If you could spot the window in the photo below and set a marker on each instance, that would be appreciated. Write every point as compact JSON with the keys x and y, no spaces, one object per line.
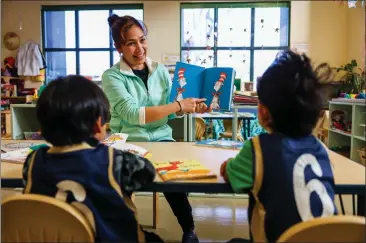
{"x":245,"y":36}
{"x":77,"y":40}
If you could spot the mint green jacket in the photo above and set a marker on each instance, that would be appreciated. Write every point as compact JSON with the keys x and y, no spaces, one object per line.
{"x":128,"y":98}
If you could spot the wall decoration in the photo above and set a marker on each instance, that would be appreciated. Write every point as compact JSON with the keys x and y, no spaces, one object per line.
{"x":11,"y":41}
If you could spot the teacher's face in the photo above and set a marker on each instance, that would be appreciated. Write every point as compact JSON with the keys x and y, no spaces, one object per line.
{"x":134,"y":49}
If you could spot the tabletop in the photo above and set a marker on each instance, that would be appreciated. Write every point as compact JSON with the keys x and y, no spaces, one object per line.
{"x":349,"y":175}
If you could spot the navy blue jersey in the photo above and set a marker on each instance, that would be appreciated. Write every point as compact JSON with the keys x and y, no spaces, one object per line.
{"x":87,"y":178}
{"x":293,"y":182}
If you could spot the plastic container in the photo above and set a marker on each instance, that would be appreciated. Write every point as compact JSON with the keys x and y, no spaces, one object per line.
{"x":32,"y":136}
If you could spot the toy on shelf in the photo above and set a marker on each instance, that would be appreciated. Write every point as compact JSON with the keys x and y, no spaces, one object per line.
{"x":352,"y":96}
{"x":340,"y":121}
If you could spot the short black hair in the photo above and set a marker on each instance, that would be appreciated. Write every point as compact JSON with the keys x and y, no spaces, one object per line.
{"x":68,"y":109}
{"x":291,"y":91}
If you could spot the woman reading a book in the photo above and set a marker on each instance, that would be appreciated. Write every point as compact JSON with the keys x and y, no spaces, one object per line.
{"x":138,"y":90}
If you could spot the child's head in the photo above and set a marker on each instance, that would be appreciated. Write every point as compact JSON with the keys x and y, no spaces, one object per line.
{"x":72,"y":109}
{"x":289,"y":95}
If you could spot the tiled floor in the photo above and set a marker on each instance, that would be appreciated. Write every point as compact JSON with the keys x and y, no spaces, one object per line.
{"x":216,"y":219}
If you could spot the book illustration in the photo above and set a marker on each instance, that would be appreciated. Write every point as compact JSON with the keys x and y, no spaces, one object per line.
{"x":226,"y":144}
{"x":182,"y":170}
{"x":220,"y":82}
{"x":214,"y":84}
{"x":182,"y":82}
{"x":16,"y":156}
{"x":115,"y":138}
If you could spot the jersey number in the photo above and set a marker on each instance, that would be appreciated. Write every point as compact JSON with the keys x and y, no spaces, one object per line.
{"x":79,"y":193}
{"x":303,"y":191}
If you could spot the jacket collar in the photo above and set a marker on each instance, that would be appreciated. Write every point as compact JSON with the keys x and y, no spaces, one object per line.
{"x":125,"y":69}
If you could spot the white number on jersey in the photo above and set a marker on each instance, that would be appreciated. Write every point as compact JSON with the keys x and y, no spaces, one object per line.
{"x":303,"y":191}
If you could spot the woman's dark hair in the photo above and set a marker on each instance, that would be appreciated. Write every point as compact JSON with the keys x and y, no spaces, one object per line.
{"x":291,"y":91}
{"x":69,"y":108}
{"x":120,"y":25}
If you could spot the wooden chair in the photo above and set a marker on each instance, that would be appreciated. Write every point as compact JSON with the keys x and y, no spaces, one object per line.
{"x":36,"y":218}
{"x":228,"y":125}
{"x":200,"y":128}
{"x":329,"y":229}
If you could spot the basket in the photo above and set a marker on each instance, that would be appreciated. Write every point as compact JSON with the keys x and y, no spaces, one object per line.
{"x":362,"y":153}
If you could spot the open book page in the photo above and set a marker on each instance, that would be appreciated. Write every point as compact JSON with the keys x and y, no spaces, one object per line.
{"x":115,"y":138}
{"x":16,"y":156}
{"x":182,"y":170}
{"x":132,"y":148}
{"x":187,"y":82}
{"x":218,"y":87}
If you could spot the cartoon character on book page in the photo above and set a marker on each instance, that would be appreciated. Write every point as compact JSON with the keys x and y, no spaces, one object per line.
{"x":216,"y":95}
{"x":182,"y":82}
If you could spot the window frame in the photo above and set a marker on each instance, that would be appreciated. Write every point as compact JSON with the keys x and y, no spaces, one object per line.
{"x":76,"y":9}
{"x":252,"y":47}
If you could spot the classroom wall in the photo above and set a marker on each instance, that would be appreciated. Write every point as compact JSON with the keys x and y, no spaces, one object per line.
{"x":331,"y":32}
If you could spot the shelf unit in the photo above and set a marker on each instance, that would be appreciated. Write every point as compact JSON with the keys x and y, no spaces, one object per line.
{"x":23,"y":119}
{"x":357,"y":138}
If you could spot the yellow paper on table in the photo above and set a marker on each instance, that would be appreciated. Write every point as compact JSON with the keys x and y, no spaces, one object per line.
{"x":182,"y":170}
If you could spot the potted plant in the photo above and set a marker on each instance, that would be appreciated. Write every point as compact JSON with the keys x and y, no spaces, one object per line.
{"x":353,"y":80}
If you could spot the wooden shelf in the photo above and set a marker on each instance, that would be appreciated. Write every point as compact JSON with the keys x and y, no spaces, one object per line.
{"x":337,"y":138}
{"x":6,"y":112}
{"x":13,"y":97}
{"x":340,"y":132}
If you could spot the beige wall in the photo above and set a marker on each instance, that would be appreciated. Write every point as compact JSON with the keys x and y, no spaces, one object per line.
{"x":333,"y":33}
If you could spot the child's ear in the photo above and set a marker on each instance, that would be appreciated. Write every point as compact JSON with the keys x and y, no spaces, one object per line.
{"x":264,"y":117}
{"x":98,"y":127}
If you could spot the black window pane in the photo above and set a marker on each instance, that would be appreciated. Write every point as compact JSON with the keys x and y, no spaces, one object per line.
{"x":271,"y":27}
{"x":94,"y":63}
{"x":60,"y":64}
{"x":59,"y":29}
{"x":93,"y":29}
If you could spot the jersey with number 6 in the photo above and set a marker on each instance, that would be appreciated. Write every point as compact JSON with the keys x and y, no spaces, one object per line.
{"x":293,"y":182}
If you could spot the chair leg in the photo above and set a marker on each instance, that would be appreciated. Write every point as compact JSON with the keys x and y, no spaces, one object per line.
{"x":155,"y":209}
{"x":341,"y":202}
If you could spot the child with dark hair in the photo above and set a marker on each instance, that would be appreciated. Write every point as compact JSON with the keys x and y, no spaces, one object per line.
{"x":287,"y":171}
{"x":96,"y":179}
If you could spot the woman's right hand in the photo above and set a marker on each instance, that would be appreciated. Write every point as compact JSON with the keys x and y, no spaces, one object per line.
{"x":189,"y":104}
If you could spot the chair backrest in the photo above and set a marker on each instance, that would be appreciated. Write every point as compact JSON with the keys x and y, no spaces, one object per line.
{"x":228,"y":125}
{"x":200,"y":128}
{"x":36,"y":218}
{"x":328,"y":229}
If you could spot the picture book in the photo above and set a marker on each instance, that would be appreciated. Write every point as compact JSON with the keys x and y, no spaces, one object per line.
{"x":226,"y":144}
{"x":216,"y":84}
{"x":132,"y":148}
{"x":182,"y":170}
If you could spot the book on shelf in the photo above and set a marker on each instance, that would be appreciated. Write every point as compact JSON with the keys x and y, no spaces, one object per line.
{"x":182,"y":170}
{"x":226,"y":144}
{"x":215,"y":84}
